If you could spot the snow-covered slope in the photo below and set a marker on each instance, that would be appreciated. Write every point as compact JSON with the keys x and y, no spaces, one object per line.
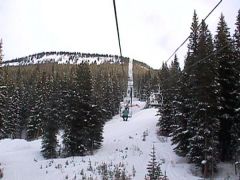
{"x":63,"y":58}
{"x":123,"y":146}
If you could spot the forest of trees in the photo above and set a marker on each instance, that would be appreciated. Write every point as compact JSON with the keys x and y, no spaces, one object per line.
{"x":201,"y":107}
{"x":41,"y":100}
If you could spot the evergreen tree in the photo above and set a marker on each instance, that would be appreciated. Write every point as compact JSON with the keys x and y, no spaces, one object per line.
{"x":94,"y":117}
{"x":203,"y":145}
{"x":175,"y":74}
{"x":179,"y":134}
{"x":74,"y":133}
{"x":37,"y":116}
{"x":228,"y":81}
{"x":165,"y":121}
{"x":236,"y":42}
{"x":11,"y":123}
{"x":187,"y":101}
{"x":62,"y":90}
{"x":235,"y":130}
{"x":50,"y":129}
{"x":98,"y":92}
{"x":117,"y":94}
{"x":189,"y":79}
{"x":23,"y":103}
{"x":153,"y":167}
{"x":171,"y":114}
{"x":92,"y":114}
{"x":2,"y":94}
{"x":2,"y":110}
{"x":95,"y":128}
{"x":83,"y":131}
{"x":107,"y":103}
{"x":145,"y":87}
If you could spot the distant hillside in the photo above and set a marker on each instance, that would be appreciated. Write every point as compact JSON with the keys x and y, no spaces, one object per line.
{"x":63,"y":57}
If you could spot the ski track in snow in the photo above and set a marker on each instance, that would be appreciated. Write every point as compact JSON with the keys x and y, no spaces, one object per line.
{"x":123,"y":143}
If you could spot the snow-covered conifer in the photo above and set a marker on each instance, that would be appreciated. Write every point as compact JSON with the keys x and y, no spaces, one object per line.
{"x":228,"y":81}
{"x":153,"y":167}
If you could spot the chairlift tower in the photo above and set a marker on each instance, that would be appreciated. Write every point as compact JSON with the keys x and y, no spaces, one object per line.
{"x":130,"y":91}
{"x":127,"y":101}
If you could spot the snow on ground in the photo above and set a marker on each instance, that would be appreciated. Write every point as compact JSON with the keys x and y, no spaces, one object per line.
{"x":123,"y":144}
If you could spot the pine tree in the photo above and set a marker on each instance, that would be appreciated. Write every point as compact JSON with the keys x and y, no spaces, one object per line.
{"x":179,"y":135}
{"x":187,"y":100}
{"x":117,"y":94}
{"x":37,"y":116}
{"x":145,"y":88}
{"x":235,"y":130}
{"x":204,"y":142}
{"x":98,"y":92}
{"x":227,"y":92}
{"x":11,"y":124}
{"x":22,"y":103}
{"x":236,"y":38}
{"x":189,"y":80}
{"x":107,"y":103}
{"x":2,"y":110}
{"x":153,"y":167}
{"x":95,"y":128}
{"x":2,"y":94}
{"x":165,"y":121}
{"x":62,"y":90}
{"x":175,"y":74}
{"x":92,"y":113}
{"x":50,"y":129}
{"x":83,"y":132}
{"x":74,"y":133}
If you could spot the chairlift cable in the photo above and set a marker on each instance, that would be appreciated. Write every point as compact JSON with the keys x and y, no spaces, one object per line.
{"x":119,"y":42}
{"x":116,"y":19}
{"x":189,"y":35}
{"x":188,"y":38}
{"x":200,"y":60}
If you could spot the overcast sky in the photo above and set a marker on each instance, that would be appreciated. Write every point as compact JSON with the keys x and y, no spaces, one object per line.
{"x":150,"y":30}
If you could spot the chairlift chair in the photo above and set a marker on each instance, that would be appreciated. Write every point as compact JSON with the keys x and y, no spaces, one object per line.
{"x":122,"y":106}
{"x":156,"y":99}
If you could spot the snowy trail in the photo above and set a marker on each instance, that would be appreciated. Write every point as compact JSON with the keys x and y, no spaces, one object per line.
{"x":129,"y":135}
{"x":123,"y":143}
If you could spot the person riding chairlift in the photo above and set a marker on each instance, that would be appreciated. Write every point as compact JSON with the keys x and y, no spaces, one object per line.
{"x":125,"y":114}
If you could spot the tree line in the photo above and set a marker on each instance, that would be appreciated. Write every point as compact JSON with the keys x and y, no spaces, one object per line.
{"x":201,"y":107}
{"x":40,"y":100}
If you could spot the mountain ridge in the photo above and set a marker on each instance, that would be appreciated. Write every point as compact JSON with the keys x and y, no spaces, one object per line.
{"x":65,"y":57}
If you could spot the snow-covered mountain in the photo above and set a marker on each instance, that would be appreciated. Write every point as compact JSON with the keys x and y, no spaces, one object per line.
{"x":63,"y":57}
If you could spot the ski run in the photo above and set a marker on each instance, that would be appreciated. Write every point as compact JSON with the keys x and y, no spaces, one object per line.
{"x":126,"y":144}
